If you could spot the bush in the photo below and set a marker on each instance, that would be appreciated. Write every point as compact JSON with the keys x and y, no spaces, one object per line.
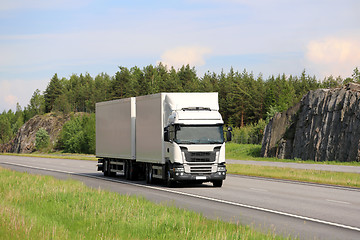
{"x":78,"y":135}
{"x":249,"y":134}
{"x":42,"y":139}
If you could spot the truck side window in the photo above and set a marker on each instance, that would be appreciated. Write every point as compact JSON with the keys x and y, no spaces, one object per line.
{"x":171,"y":132}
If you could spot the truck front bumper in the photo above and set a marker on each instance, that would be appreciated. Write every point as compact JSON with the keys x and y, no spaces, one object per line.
{"x":181,"y":176}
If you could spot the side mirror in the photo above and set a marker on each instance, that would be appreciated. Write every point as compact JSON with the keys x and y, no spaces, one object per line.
{"x":228,"y":136}
{"x":166,"y":134}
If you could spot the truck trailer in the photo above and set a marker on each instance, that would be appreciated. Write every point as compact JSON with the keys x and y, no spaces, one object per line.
{"x":175,"y":137}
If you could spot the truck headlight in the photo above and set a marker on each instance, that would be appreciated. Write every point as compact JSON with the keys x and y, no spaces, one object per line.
{"x":221,"y":168}
{"x":179,"y":169}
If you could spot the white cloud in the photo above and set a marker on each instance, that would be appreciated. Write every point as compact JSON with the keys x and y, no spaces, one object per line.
{"x":18,"y":91}
{"x":7,"y":98}
{"x":334,"y":56}
{"x":11,"y":99}
{"x":192,"y":55}
{"x":334,"y":50}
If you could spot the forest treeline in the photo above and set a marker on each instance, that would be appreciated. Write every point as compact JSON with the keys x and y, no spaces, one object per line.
{"x":244,"y":99}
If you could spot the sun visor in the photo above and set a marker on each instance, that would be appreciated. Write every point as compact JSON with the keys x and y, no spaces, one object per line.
{"x":179,"y":101}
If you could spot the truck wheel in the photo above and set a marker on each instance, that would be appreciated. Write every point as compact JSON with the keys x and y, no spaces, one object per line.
{"x":132,"y":171}
{"x":109,"y":172}
{"x":127,"y":169}
{"x":217,"y":183}
{"x":105,"y":168}
{"x":149,"y":174}
{"x":169,"y":183}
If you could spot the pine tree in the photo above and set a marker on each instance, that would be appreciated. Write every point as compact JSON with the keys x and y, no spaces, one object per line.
{"x":122,"y":84}
{"x":102,"y":87}
{"x":356,"y":75}
{"x":37,"y":103}
{"x":52,"y":92}
{"x":149,"y":85}
{"x":188,"y":79}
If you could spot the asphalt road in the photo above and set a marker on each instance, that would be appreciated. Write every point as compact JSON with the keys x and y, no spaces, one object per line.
{"x":306,"y":211}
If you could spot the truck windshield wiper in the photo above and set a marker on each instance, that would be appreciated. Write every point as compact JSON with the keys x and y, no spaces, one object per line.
{"x":215,"y":142}
{"x":188,"y":142}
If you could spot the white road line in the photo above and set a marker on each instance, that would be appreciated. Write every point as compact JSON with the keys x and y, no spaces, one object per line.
{"x":200,"y":197}
{"x":259,"y":189}
{"x":335,"y":201}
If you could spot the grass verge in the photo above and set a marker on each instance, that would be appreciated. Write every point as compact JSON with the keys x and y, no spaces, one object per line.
{"x":42,"y":207}
{"x":252,"y":152}
{"x":304,"y":175}
{"x":72,"y":156}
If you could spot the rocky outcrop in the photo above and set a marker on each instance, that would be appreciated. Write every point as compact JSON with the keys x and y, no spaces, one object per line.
{"x":324,"y":126}
{"x":24,"y":141}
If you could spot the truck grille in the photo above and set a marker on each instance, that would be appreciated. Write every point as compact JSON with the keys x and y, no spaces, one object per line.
{"x":200,"y":169}
{"x":200,"y":156}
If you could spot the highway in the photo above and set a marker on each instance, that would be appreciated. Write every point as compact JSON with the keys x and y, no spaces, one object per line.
{"x":306,"y":211}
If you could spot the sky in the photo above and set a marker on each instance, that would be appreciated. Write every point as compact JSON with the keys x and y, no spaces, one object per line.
{"x":39,"y":38}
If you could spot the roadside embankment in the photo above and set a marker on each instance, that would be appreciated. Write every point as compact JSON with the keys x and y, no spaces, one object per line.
{"x":42,"y":207}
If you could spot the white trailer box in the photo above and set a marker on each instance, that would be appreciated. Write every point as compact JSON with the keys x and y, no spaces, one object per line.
{"x":152,"y":115}
{"x":149,"y":129}
{"x":115,"y":129}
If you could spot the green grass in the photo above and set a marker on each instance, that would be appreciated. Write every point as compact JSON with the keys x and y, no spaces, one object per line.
{"x":242,"y":151}
{"x":314,"y":176}
{"x":252,"y":152}
{"x":57,"y":155}
{"x":41,"y":207}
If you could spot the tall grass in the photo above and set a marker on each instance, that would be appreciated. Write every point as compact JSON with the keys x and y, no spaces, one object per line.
{"x":41,"y":207}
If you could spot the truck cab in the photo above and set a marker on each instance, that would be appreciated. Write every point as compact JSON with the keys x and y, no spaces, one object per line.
{"x":195,"y":147}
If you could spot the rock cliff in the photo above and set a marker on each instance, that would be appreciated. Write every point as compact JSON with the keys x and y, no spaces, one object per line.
{"x":24,"y":141}
{"x":324,"y":126}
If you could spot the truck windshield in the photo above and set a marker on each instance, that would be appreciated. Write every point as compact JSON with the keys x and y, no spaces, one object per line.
{"x":203,"y":134}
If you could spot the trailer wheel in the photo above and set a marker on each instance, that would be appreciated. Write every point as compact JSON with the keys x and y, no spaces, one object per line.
{"x":132,"y":171}
{"x":149,"y":174}
{"x":217,"y":183}
{"x":109,"y":172}
{"x":127,"y":169}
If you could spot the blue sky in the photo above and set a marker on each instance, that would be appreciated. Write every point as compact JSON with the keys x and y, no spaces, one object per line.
{"x":39,"y":38}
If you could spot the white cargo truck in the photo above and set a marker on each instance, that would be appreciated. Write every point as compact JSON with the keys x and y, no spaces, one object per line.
{"x":176,"y":137}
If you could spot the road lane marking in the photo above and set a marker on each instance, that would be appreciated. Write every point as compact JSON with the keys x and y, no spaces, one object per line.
{"x":335,"y":201}
{"x":259,"y":189}
{"x":198,"y":197}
